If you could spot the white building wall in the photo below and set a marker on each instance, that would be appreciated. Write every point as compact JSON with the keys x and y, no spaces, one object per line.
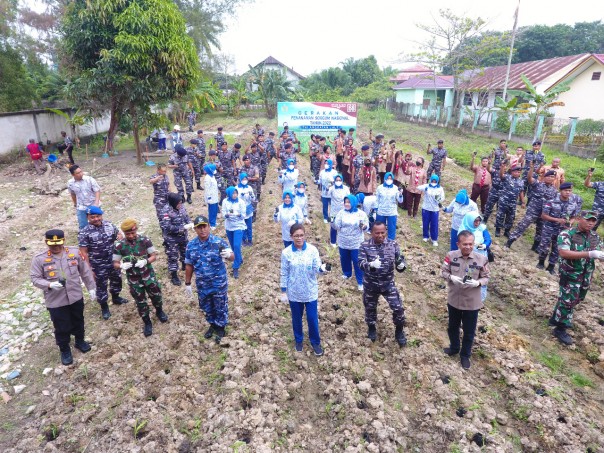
{"x":585,"y":97}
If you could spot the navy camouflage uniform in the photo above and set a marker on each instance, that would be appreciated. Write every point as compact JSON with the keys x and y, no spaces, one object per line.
{"x":140,"y":280}
{"x":496,"y":183}
{"x":99,"y":242}
{"x":181,"y":173}
{"x":598,"y":205}
{"x":575,"y":275}
{"x":195,"y":162}
{"x":380,"y":282}
{"x":226,"y":160}
{"x":506,"y":210}
{"x":541,"y":193}
{"x":252,"y":172}
{"x":201,"y":152}
{"x":529,"y":156}
{"x":210,"y":278}
{"x":438,"y":155}
{"x":264,"y":160}
{"x":160,"y":193}
{"x":219,"y":138}
{"x":269,"y":147}
{"x":558,"y":209}
{"x":315,"y":161}
{"x":175,"y":236}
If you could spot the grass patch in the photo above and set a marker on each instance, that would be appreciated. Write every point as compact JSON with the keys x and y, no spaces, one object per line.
{"x":552,"y":361}
{"x":580,"y":380}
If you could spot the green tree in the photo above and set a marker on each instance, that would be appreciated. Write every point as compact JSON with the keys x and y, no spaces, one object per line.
{"x":363,"y":71}
{"x":125,"y":55}
{"x":372,"y":93}
{"x":273,"y":87}
{"x":17,"y":88}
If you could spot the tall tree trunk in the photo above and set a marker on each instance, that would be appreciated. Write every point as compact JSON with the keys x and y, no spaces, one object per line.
{"x":139,"y":159}
{"x":113,"y":123}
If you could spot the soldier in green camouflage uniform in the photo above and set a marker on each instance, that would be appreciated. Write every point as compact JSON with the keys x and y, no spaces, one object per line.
{"x":135,"y":254}
{"x":579,"y":246}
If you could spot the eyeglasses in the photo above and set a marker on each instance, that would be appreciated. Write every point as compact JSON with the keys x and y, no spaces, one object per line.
{"x":298,"y":236}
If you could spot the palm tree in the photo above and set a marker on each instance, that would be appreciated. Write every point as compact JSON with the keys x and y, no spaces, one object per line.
{"x":273,"y":86}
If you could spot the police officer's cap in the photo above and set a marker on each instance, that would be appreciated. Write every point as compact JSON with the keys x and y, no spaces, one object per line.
{"x":364,"y":147}
{"x":237,"y":146}
{"x":212,"y":152}
{"x":379,"y":136}
{"x":200,"y":131}
{"x":94,"y":210}
{"x":55,"y":237}
{"x":194,"y":141}
{"x":180,"y":150}
{"x":566,"y":185}
{"x":220,"y":128}
{"x":246,"y":157}
{"x":516,"y":168}
{"x":589,"y":215}
{"x":201,"y":220}
{"x":537,"y":142}
{"x":550,"y":173}
{"x":440,"y":141}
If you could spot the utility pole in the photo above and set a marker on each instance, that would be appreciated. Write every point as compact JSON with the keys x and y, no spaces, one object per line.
{"x":507,"y":72}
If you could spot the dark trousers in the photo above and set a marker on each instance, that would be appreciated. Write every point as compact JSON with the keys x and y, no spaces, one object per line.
{"x":339,"y":163}
{"x":467,"y":319}
{"x":67,"y":321}
{"x":413,"y":200}
{"x":482,"y":192}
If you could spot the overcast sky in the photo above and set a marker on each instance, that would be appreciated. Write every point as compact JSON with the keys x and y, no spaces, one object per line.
{"x":311,"y":35}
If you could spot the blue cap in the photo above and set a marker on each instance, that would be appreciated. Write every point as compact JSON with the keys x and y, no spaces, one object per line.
{"x":94,"y":210}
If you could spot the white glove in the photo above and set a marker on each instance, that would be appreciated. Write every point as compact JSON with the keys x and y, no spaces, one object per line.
{"x":188,"y":226}
{"x":456,"y":280}
{"x":141,"y":263}
{"x":291,"y":222}
{"x":307,"y":221}
{"x":226,"y":254}
{"x":323,"y":268}
{"x":125,"y":266}
{"x":596,"y":254}
{"x":283,"y":298}
{"x":56,"y":285}
{"x":188,"y":291}
{"x":376,"y":263}
{"x":481,"y":247}
{"x":471,"y":284}
{"x":92,"y":294}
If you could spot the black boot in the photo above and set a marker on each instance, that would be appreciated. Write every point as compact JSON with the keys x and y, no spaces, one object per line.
{"x":562,"y":336}
{"x":82,"y":345}
{"x":509,"y":243}
{"x":174,"y":278}
{"x":485,"y":219}
{"x":66,"y":357}
{"x":535,"y":247}
{"x":105,"y":311}
{"x":541,"y":264}
{"x":399,"y":335}
{"x":371,"y":332}
{"x":199,"y":186}
{"x":209,"y":332}
{"x":497,"y":232}
{"x":551,"y":269}
{"x":506,"y":233}
{"x":219,"y":333}
{"x":163,"y":317}
{"x":189,"y":198}
{"x":117,"y":300}
{"x":148,"y":329}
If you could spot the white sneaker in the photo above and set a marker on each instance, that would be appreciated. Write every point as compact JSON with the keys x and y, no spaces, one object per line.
{"x":334,"y":245}
{"x":344,"y":277}
{"x":360,"y":287}
{"x":425,"y":239}
{"x":435,"y":243}
{"x":324,"y":220}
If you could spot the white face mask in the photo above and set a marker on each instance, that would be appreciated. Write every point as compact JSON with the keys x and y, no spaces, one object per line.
{"x":291,"y":167}
{"x":244,"y":182}
{"x":389,"y":181}
{"x":338,"y":183}
{"x":433,"y":184}
{"x":301,"y":190}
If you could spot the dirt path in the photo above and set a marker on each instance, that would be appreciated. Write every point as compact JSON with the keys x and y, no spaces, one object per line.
{"x":177,"y":392}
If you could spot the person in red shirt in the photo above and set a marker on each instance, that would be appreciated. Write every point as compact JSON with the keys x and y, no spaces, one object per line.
{"x":36,"y":156}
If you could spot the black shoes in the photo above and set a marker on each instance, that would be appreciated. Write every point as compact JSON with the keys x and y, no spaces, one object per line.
{"x":551,"y":269}
{"x":117,"y":300}
{"x":541,"y":264}
{"x":148,"y":329}
{"x":497,"y":232}
{"x":82,"y":345}
{"x":399,"y":335}
{"x":105,"y":311}
{"x":209,"y":332}
{"x":183,"y":266}
{"x":189,"y":198}
{"x":562,"y":336}
{"x":199,"y":186}
{"x":506,"y":233}
{"x":66,"y":357}
{"x":371,"y":332}
{"x":317,"y":349}
{"x":174,"y":278}
{"x":465,"y":363}
{"x":509,"y":243}
{"x":163,"y":317}
{"x":450,"y":352}
{"x":535,"y":247}
{"x":219,"y":334}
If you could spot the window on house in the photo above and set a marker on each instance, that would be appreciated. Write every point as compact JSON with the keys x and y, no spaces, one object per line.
{"x":467,"y":99}
{"x":596,"y":76}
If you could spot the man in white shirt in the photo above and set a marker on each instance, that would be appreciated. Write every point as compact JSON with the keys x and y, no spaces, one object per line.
{"x":85,"y":192}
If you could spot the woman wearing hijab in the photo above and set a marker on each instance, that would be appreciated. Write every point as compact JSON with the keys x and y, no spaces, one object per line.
{"x":459,"y":207}
{"x":434,"y":195}
{"x":288,"y":214}
{"x":368,"y":179}
{"x":210,"y":193}
{"x":417,"y":177}
{"x":300,"y":265}
{"x":337,"y":194}
{"x":472,"y":222}
{"x":326,"y":178}
{"x":233,"y":211}
{"x":388,"y":196}
{"x":301,"y":200}
{"x":246,"y":193}
{"x":289,"y":177}
{"x":351,"y":223}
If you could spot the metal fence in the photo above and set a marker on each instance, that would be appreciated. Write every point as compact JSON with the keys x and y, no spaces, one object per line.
{"x":576,"y":136}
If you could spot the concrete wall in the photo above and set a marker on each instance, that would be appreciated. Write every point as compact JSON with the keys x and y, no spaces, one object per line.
{"x":585,"y":97}
{"x":410,"y":96}
{"x":41,"y":125}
